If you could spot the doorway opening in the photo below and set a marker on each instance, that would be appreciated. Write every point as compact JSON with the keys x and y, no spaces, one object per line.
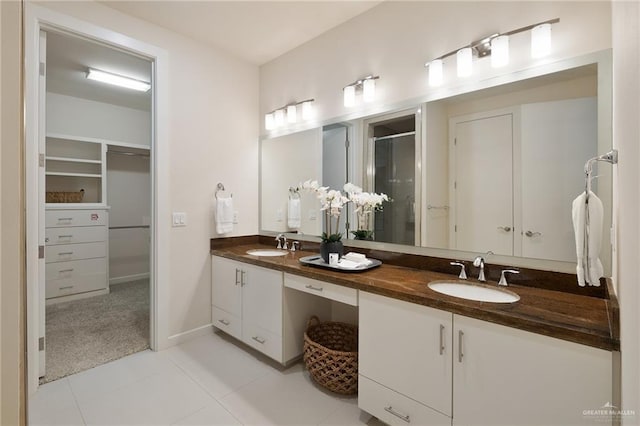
{"x":95,"y":192}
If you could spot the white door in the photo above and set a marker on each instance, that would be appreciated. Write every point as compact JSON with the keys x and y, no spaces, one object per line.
{"x":42,"y":91}
{"x":483,"y":184}
{"x":557,"y":139}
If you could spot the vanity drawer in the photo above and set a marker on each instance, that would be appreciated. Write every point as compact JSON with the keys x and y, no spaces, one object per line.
{"x":63,"y":218}
{"x":262,"y":340}
{"x":68,"y":252}
{"x":78,"y":276}
{"x":395,"y":409}
{"x":72,"y":235}
{"x":227,"y":322}
{"x":323,"y":289}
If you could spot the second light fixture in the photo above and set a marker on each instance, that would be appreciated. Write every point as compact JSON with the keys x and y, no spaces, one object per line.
{"x":368,"y":87}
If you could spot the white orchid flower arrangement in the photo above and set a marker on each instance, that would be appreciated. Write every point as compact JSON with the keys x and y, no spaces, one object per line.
{"x":333,"y":202}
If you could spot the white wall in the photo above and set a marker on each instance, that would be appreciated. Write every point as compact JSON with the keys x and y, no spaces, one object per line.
{"x":626,"y":137}
{"x":68,"y":115}
{"x":12,"y":304}
{"x":213,"y":137}
{"x":395,"y":39}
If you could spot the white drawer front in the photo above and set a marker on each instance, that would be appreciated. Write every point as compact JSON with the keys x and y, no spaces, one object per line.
{"x":330,"y":291}
{"x":62,"y":218}
{"x":227,"y":322}
{"x":394,"y":408}
{"x":263,"y":341}
{"x":87,"y":234}
{"x":78,"y":276}
{"x":67,"y":252}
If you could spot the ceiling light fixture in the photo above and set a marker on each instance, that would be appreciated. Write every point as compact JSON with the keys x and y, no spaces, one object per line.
{"x":368,"y":87}
{"x":118,"y":80}
{"x":288,"y":114}
{"x":494,"y":45}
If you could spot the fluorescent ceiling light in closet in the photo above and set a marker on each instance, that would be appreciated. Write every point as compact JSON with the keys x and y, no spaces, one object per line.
{"x":118,"y":80}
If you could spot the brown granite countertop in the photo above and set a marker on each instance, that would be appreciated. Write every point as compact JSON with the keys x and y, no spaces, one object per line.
{"x":591,"y":321}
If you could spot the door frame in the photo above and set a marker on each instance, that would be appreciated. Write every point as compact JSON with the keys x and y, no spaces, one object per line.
{"x":40,"y":18}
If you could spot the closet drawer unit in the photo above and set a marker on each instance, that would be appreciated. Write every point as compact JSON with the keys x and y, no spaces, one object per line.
{"x":227,"y":322}
{"x":262,"y":340}
{"x":395,"y":409}
{"x":63,"y":218}
{"x":322,"y":289}
{"x":88,"y":234}
{"x":78,"y":276}
{"x":68,"y":252}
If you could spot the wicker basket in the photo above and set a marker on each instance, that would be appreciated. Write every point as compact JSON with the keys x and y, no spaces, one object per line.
{"x":64,"y":196}
{"x":331,"y":355}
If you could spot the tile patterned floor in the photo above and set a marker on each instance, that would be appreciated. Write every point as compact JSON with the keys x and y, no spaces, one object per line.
{"x":211,"y":380}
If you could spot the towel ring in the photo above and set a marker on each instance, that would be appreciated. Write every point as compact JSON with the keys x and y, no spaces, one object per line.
{"x":293,"y":193}
{"x":220,"y":187}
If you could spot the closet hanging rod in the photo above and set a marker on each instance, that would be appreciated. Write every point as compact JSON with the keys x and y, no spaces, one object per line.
{"x":130,"y":227}
{"x":129,"y":154}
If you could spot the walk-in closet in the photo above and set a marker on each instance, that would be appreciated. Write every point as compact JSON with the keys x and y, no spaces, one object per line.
{"x":96,"y":196}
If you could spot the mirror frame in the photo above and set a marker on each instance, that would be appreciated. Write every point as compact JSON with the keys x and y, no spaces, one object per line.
{"x":602,"y":59}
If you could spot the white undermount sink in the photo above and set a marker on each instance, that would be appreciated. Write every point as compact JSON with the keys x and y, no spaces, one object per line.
{"x":267,"y":253}
{"x":477,"y":292}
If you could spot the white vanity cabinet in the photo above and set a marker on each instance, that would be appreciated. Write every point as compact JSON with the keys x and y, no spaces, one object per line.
{"x":506,"y":376}
{"x":405,"y":361}
{"x":251,"y":304}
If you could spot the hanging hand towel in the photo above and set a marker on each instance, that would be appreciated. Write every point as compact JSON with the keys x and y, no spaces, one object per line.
{"x":293,"y":213}
{"x":224,"y":215}
{"x":587,"y":225}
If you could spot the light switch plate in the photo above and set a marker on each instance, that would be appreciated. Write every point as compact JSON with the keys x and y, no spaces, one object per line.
{"x":179,"y":219}
{"x":235,"y":216}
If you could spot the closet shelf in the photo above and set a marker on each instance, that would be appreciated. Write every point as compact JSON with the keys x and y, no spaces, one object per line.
{"x":73,"y":160}
{"x":86,"y":175}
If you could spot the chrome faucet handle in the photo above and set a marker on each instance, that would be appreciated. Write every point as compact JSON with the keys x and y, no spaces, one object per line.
{"x":463,"y":273}
{"x":503,"y":279}
{"x":285,"y":245}
{"x":279,"y":240}
{"x":479,"y":262}
{"x":295,"y":245}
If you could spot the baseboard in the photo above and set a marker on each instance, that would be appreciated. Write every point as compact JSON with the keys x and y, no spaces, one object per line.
{"x":128,"y":278}
{"x":185,"y":336}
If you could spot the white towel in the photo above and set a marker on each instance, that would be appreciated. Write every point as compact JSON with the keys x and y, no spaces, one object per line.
{"x":224,"y":215}
{"x":294,"y":217}
{"x":354,"y":260}
{"x":587,"y":225}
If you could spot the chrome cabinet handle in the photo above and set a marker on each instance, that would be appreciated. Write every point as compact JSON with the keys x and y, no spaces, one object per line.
{"x":64,"y":219}
{"x":243,"y":278}
{"x":65,"y":236}
{"x":314,"y":288}
{"x":533,"y":234}
{"x":65,"y":270}
{"x":66,"y":253}
{"x":65,"y":287}
{"x":505,"y":228}
{"x":441,"y":339}
{"x":259,"y":339}
{"x":224,"y":321}
{"x":401,"y":416}
{"x":237,"y":280}
{"x":460,"y":351}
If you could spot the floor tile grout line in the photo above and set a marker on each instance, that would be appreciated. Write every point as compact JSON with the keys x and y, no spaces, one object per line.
{"x":75,"y":399}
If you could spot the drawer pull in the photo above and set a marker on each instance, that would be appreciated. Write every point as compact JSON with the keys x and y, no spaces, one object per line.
{"x":404,"y":417}
{"x":66,"y":253}
{"x":237,"y":280}
{"x":66,"y":219}
{"x":224,"y":321}
{"x":441,"y":339}
{"x":243,"y":278}
{"x":460,"y":351}
{"x":62,"y":271}
{"x":259,"y":340}
{"x":67,"y":287}
{"x":65,"y":236}
{"x":310,"y":287}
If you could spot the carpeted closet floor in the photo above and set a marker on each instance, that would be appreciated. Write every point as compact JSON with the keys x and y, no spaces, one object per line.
{"x":83,"y":334}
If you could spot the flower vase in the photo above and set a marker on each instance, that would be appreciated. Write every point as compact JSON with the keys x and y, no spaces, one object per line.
{"x":327,"y":247}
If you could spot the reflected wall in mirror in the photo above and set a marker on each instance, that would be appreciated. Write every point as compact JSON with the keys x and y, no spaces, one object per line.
{"x":494,"y":170}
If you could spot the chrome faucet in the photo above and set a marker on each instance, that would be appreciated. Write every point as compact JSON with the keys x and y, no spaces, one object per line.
{"x":479,"y":262}
{"x":463,"y":273}
{"x":503,"y":279}
{"x":279,"y":239}
{"x":295,"y":245}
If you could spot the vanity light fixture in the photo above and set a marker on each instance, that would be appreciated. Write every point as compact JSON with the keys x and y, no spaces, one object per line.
{"x":118,"y":80}
{"x":368,"y":86}
{"x":288,"y":114}
{"x":494,"y":45}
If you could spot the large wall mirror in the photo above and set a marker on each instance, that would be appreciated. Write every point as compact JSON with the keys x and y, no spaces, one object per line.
{"x":492,"y":170}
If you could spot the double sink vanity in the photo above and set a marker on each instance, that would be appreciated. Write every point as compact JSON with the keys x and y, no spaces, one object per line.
{"x":426,"y":357}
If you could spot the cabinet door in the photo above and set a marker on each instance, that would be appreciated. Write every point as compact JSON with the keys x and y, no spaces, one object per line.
{"x":226,"y":292}
{"x":262,"y":298}
{"x":505,"y":376}
{"x":407,"y":348}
